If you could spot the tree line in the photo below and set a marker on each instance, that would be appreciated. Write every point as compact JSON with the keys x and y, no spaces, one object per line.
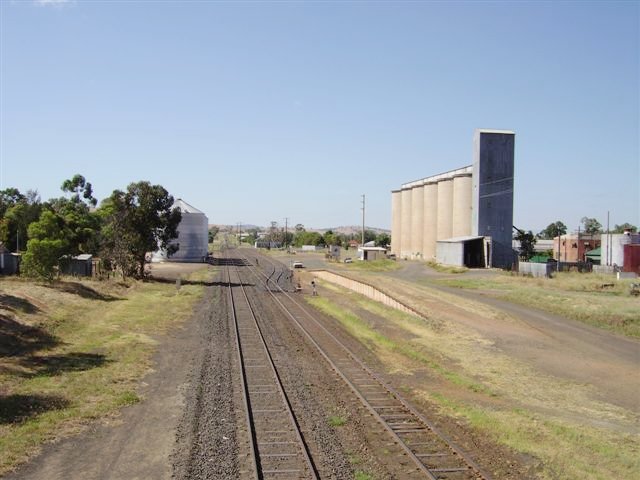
{"x":590,"y":226}
{"x":121,"y":230}
{"x":299,"y":236}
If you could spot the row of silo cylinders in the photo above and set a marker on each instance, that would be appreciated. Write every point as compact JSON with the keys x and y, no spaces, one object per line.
{"x":430,"y":211}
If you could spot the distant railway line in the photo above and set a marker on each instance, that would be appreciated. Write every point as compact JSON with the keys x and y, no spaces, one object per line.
{"x":432,"y":455}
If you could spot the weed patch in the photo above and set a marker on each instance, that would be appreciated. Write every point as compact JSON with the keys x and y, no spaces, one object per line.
{"x":337,"y":421}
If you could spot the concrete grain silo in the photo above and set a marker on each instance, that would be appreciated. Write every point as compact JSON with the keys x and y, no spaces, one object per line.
{"x":396,"y":221}
{"x":445,"y":208}
{"x":430,"y":220}
{"x":405,"y":224}
{"x":462,"y":199}
{"x":417,"y":207}
{"x":463,"y":216}
{"x":193,"y":236}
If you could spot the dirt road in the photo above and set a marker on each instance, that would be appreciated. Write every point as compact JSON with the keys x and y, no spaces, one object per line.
{"x":555,"y":345}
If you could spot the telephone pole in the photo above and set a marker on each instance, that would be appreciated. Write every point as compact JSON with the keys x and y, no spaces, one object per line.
{"x":286,"y":227}
{"x":363,"y":205}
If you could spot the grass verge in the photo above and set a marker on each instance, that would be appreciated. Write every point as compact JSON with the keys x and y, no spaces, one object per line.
{"x":375,"y":340}
{"x":588,"y":298}
{"x":77,"y":350}
{"x":438,"y":267}
{"x":382,"y":265}
{"x":568,"y":451}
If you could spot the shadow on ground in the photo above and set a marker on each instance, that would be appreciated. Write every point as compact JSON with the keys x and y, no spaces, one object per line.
{"x":12,"y":303}
{"x":17,"y":339}
{"x":83,"y":291}
{"x":233,"y":262}
{"x":56,"y":364}
{"x":17,"y":408}
{"x":197,"y":282}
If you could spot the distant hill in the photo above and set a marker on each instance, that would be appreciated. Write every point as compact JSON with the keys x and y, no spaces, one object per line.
{"x":354,"y":230}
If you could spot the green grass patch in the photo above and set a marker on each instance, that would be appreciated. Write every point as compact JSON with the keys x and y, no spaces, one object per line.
{"x":337,"y":421}
{"x":382,"y":265}
{"x":362,"y":475}
{"x":87,"y":346}
{"x":438,"y":267}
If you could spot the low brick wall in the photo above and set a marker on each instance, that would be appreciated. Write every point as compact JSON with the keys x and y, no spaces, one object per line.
{"x":367,"y":290}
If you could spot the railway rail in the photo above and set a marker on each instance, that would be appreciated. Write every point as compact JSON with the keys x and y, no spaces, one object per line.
{"x":277,"y":448}
{"x":432,"y":453}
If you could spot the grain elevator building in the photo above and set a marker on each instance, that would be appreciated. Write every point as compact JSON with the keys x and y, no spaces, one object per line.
{"x":463,"y":216}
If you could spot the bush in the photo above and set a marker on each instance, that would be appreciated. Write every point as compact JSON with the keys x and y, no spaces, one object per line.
{"x":42,"y":257}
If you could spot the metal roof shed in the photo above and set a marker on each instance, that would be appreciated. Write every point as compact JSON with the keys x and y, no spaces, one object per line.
{"x":469,"y":251}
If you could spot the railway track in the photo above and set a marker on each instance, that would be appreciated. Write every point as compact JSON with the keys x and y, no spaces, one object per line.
{"x":432,"y":453}
{"x":277,"y":448}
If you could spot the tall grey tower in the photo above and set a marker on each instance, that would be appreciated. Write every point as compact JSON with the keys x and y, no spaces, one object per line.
{"x":492,"y":201}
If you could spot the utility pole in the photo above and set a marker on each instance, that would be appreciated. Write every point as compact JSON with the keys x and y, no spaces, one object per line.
{"x":363,"y":205}
{"x":286,"y":227}
{"x":608,"y":260}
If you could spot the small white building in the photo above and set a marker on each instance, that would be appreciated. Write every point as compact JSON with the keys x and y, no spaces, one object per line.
{"x":371,"y":253}
{"x":469,"y":251}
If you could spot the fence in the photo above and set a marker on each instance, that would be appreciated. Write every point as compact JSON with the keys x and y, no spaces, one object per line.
{"x":536,"y":269}
{"x":367,"y":290}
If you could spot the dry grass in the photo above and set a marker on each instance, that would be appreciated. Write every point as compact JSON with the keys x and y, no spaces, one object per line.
{"x":438,"y":267}
{"x":382,"y":265}
{"x":556,"y":421}
{"x":78,"y":349}
{"x":589,"y":298}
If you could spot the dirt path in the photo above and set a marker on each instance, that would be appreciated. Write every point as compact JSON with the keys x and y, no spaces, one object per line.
{"x":564,"y":348}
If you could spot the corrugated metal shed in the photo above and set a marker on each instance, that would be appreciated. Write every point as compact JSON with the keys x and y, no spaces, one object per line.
{"x":193,"y":236}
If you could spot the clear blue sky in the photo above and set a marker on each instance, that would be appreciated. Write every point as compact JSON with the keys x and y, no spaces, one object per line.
{"x":259,"y":111}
